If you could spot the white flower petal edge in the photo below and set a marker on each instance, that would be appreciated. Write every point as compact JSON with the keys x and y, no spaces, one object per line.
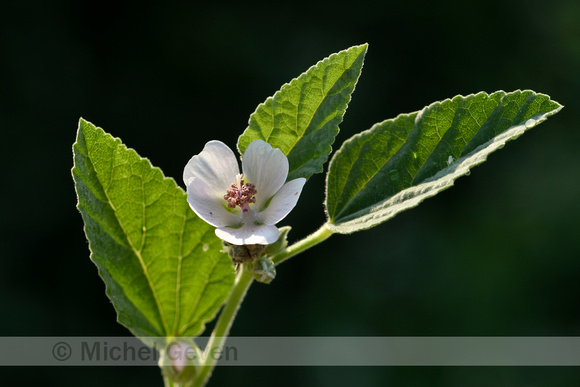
{"x":283,"y":202}
{"x":208,"y":206}
{"x":215,"y":165}
{"x":244,"y":208}
{"x":266,"y":168}
{"x":249,"y":234}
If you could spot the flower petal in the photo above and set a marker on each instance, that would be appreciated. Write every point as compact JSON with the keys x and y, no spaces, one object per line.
{"x":249,"y":234}
{"x":266,"y":168}
{"x":216,"y":165}
{"x":208,"y":206}
{"x":282,"y":203}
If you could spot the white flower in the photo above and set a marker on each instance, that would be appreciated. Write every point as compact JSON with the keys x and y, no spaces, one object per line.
{"x":244,"y":207}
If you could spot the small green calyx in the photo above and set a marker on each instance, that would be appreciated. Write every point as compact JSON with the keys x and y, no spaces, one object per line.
{"x":264,"y":270}
{"x":257,"y":257}
{"x":280,"y":244}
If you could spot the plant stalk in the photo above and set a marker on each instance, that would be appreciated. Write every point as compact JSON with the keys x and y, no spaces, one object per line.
{"x":222,"y":328}
{"x":239,"y":290}
{"x":315,"y":238}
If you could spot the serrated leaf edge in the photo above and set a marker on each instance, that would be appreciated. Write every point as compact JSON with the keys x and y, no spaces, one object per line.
{"x":181,"y":256}
{"x":301,"y":78}
{"x":374,"y":215}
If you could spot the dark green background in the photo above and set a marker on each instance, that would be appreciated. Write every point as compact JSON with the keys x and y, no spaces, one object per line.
{"x":496,"y":255}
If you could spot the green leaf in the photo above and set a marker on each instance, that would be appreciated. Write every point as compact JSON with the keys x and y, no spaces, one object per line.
{"x":161,"y":264}
{"x":402,"y":161}
{"x":302,"y":118}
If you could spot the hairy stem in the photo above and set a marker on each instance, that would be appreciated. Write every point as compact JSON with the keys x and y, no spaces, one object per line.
{"x":222,"y":328}
{"x":318,"y":236}
{"x":239,"y":290}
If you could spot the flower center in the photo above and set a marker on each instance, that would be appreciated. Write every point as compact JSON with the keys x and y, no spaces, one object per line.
{"x":241,"y":194}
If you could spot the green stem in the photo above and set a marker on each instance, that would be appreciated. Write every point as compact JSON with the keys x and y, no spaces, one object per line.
{"x":239,"y":290}
{"x":170,"y":383}
{"x":222,"y":328}
{"x":318,"y":236}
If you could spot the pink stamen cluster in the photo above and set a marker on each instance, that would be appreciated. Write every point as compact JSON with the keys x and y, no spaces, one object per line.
{"x":242,"y":196}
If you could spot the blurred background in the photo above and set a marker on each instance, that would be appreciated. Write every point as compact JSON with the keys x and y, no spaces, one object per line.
{"x":496,"y":255}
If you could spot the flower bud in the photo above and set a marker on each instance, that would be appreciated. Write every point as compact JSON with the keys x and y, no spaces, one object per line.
{"x":264,"y":270}
{"x":179,"y":361}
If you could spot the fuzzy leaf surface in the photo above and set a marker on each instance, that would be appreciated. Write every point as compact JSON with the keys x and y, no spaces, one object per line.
{"x":161,"y":264}
{"x":302,"y":118}
{"x":400,"y":162}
